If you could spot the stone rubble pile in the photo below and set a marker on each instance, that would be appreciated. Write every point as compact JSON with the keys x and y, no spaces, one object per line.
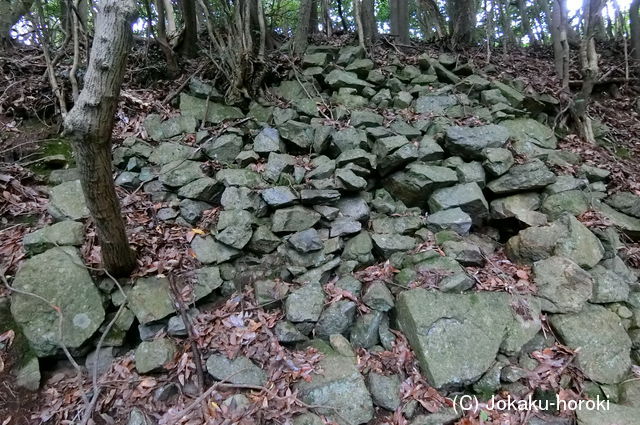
{"x":367,"y":165}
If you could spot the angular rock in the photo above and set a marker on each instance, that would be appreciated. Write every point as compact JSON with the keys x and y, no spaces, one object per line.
{"x":378,"y":297}
{"x":150,"y":299}
{"x":205,"y":189}
{"x":67,"y":202}
{"x":240,"y":177}
{"x":359,"y":249}
{"x":385,"y":390}
{"x":59,"y":234}
{"x":152,"y":355}
{"x":414,"y":185}
{"x":341,"y":389}
{"x":469,"y":142}
{"x":305,"y":304}
{"x":605,"y":347}
{"x":527,"y":130}
{"x":336,"y":319}
{"x":179,"y":173}
{"x":224,"y":148}
{"x":208,"y":251}
{"x":625,"y":202}
{"x":215,"y":113}
{"x":294,"y":219}
{"x":450,"y":219}
{"x":58,"y":276}
{"x":468,"y":197}
{"x":563,"y":285}
{"x":387,"y":244}
{"x":306,"y":241}
{"x":455,"y":337}
{"x":240,"y":371}
{"x":435,"y":105}
{"x":528,"y":176}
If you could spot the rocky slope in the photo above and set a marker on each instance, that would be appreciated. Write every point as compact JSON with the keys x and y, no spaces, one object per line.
{"x":430,"y":167}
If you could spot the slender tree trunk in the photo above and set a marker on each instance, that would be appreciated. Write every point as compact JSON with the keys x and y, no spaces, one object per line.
{"x":89,"y":125}
{"x":326,"y":18}
{"x":589,"y":64}
{"x":634,"y":29}
{"x":301,"y":37}
{"x":163,"y":40}
{"x":560,"y":41}
{"x":526,"y":23}
{"x":462,"y":21}
{"x":190,"y":42}
{"x":171,"y":17}
{"x":345,"y":26}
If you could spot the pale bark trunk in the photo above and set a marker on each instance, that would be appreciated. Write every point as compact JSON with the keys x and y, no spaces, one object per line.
{"x":89,"y":125}
{"x":634,"y":24}
{"x":589,"y":67}
{"x":171,"y":17}
{"x":560,"y":41}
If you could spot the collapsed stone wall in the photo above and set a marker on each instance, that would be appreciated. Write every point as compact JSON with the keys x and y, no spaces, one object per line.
{"x":429,"y":167}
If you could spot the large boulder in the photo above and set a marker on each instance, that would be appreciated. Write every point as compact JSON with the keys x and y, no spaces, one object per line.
{"x":64,"y":233}
{"x":532,"y":131}
{"x":340,"y":390}
{"x":414,"y":184}
{"x":59,"y":277}
{"x":215,"y":112}
{"x":457,"y":336}
{"x":520,"y":178}
{"x":469,"y":142}
{"x":468,"y":197}
{"x":605,"y":347}
{"x":435,"y":105}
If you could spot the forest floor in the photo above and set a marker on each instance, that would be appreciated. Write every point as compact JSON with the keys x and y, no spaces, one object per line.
{"x":27,"y":122}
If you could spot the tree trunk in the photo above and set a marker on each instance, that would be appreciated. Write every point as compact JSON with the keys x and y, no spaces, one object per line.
{"x":526,"y":23}
{"x":163,"y":40}
{"x":313,"y":19}
{"x":399,"y":20}
{"x":369,"y":26}
{"x":434,"y":18}
{"x":345,"y":26}
{"x":326,"y":18}
{"x":171,"y":17}
{"x":190,"y":41}
{"x":89,"y":125}
{"x":462,"y":21}
{"x":301,"y":37}
{"x":560,"y":41}
{"x":10,"y":13}
{"x":634,"y":24}
{"x":589,"y":68}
